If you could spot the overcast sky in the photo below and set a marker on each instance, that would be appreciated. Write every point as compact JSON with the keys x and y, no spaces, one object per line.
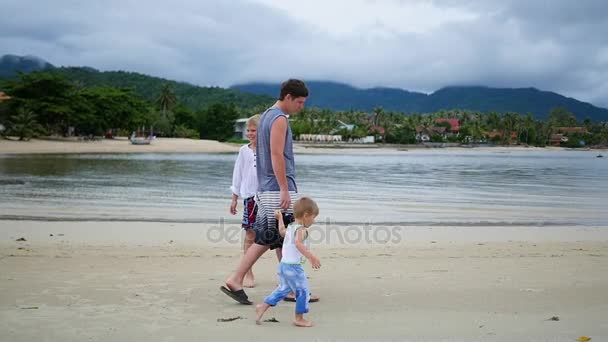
{"x":554,"y":45}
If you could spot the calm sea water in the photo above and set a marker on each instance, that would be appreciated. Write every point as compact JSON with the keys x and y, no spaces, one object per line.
{"x":428,"y":187}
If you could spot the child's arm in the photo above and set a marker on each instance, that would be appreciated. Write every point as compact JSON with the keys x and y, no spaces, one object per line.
{"x":236,"y":182}
{"x":300,"y":236}
{"x":279,"y":217}
{"x":233,"y":204}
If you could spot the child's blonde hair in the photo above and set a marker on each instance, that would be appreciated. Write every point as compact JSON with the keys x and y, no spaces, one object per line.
{"x":253,"y":121}
{"x":305,"y":205}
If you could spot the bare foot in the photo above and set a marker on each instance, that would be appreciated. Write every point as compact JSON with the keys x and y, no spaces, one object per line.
{"x":259,"y":312}
{"x":249,"y":280}
{"x":232,"y":285}
{"x":301,"y":322}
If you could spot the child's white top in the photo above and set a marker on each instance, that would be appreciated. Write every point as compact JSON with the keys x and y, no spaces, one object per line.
{"x":291,"y":255}
{"x":244,"y":175}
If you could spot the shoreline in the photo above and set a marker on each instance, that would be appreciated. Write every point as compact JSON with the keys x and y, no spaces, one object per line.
{"x":182,"y":145}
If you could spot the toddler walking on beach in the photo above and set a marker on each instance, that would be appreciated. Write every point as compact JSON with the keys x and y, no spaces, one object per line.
{"x":292,"y":277}
{"x":245,"y":185}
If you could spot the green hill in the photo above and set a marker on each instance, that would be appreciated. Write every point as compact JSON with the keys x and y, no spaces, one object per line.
{"x":11,"y":64}
{"x":148,"y":87}
{"x":337,"y":96}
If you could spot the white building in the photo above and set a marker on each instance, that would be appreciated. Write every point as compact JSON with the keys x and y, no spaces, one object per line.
{"x":240,"y":128}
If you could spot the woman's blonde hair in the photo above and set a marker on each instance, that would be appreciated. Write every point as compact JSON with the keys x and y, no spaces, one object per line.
{"x":305,"y":205}
{"x":253,"y":121}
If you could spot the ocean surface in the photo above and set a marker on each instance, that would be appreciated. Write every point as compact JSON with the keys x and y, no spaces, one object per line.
{"x":421,"y":187}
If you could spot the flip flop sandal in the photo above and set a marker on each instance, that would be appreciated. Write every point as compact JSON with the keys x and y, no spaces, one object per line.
{"x":293,"y":299}
{"x":240,"y":295}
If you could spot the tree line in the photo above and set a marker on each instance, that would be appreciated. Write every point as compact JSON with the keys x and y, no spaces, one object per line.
{"x":50,"y":103}
{"x":474,"y":127}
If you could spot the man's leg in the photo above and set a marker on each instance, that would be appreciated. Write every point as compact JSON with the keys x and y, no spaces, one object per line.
{"x":254,"y":252}
{"x":248,"y":242}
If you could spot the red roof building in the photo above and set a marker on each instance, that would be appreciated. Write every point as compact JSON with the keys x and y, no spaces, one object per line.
{"x":493,"y":134}
{"x":571,"y":130}
{"x":454,"y":124}
{"x":557,"y":139}
{"x":4,"y":97}
{"x":377,"y":130}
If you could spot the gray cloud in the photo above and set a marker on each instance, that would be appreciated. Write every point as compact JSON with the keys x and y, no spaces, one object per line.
{"x":560,"y":46}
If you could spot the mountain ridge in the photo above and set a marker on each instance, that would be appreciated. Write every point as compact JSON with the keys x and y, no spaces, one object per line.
{"x":339,"y":96}
{"x":328,"y":94}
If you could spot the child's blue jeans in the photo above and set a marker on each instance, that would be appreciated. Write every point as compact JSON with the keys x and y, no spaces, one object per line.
{"x":291,"y":279}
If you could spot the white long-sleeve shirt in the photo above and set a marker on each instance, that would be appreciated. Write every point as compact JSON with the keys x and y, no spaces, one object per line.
{"x":244,"y":175}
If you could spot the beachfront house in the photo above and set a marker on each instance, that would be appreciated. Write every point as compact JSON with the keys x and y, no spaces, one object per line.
{"x":571,"y":130}
{"x":557,"y":139}
{"x":327,"y":138}
{"x":240,"y":129}
{"x":320,"y":138}
{"x":333,"y":137}
{"x":563,"y":134}
{"x":342,"y":125}
{"x":4,"y":97}
{"x":496,"y":135}
{"x":454,"y":127}
{"x":443,"y":129}
{"x":425,"y":134}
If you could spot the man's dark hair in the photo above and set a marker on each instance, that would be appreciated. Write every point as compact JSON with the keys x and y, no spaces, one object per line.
{"x":293,"y":87}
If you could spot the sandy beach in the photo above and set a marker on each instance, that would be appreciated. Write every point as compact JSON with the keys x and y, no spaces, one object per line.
{"x":97,"y":281}
{"x":120,"y":145}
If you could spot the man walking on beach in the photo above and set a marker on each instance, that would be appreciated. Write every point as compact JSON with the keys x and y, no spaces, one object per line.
{"x":276,"y":180}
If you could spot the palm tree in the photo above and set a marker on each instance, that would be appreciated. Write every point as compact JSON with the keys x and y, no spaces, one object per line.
{"x":587,"y":123}
{"x":527,"y":123}
{"x":166,"y":99}
{"x":545,"y":129}
{"x":465,"y":116}
{"x":388,"y":121}
{"x":510,"y":124}
{"x":378,"y":111}
{"x":24,"y":124}
{"x":493,"y":121}
{"x":314,"y":118}
{"x":604,"y":134}
{"x":327,"y":121}
{"x":476,"y":127}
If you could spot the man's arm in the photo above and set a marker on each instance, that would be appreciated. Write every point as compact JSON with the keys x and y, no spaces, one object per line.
{"x":278,"y":131}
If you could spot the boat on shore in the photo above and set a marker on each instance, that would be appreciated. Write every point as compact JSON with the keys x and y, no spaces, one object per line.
{"x":140,"y":138}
